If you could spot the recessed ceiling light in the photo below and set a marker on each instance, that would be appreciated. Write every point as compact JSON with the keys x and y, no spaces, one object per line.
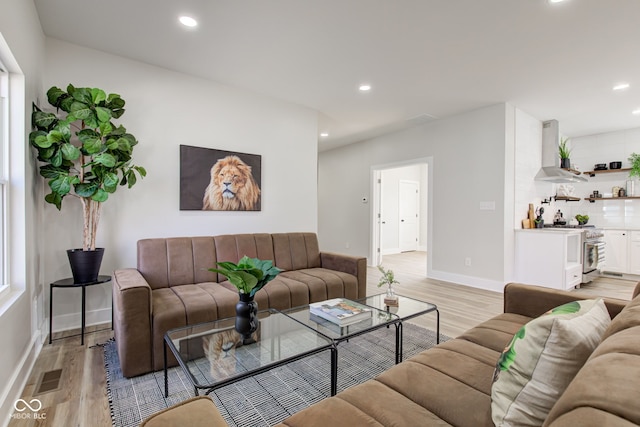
{"x":188,"y":21}
{"x":555,"y":1}
{"x":621,"y":86}
{"x":324,"y":134}
{"x":364,"y":87}
{"x":636,"y":112}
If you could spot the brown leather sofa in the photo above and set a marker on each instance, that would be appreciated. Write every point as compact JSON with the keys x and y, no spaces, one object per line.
{"x":172,"y":286}
{"x":450,"y":384}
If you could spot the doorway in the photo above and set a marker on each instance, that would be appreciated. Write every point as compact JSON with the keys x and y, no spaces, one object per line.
{"x":400,"y":209}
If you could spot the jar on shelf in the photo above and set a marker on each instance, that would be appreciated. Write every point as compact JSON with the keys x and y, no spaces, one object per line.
{"x":631,"y":190}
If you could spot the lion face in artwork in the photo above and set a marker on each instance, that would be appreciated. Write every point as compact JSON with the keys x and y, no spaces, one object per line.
{"x":231,"y":187}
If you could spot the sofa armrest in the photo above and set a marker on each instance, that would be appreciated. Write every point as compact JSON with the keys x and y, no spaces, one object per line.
{"x":356,"y":266}
{"x":533,"y":301}
{"x":132,"y":321}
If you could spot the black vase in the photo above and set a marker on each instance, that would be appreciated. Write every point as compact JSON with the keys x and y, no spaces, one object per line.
{"x":565,"y":163}
{"x":246,"y":318}
{"x":85,"y":265}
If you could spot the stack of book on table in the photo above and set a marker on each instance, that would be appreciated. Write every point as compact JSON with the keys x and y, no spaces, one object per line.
{"x":340,"y":311}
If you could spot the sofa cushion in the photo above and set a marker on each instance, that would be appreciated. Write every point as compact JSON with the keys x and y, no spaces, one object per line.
{"x":542,"y":359}
{"x":592,"y":401}
{"x":496,"y":332}
{"x":627,"y":318}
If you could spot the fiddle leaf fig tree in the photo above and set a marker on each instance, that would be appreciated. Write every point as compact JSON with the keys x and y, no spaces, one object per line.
{"x":84,"y":154}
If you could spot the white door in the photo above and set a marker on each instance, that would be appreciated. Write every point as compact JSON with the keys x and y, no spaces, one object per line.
{"x":409,"y":198}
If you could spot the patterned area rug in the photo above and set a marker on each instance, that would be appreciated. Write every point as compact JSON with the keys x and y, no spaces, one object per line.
{"x":268,"y":398}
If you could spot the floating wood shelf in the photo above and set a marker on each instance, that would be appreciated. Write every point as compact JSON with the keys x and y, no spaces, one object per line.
{"x":593,"y":199}
{"x":567,"y":198}
{"x":594,"y":173}
{"x":573,"y":171}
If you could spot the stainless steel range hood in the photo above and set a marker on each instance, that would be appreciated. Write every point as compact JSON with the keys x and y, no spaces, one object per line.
{"x":551,"y":171}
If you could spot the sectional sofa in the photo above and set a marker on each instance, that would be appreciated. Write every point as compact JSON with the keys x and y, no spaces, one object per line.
{"x":172,"y":286}
{"x":450,"y":384}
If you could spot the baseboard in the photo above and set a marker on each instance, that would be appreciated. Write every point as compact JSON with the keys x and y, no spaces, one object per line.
{"x":16,"y":384}
{"x":65,"y":322}
{"x":474,"y":282}
{"x":390,"y":251}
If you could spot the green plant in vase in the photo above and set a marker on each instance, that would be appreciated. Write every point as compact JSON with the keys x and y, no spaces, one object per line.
{"x":634,"y":158}
{"x":388,"y":278}
{"x":249,"y":275}
{"x":564,"y":151}
{"x":84,"y":155}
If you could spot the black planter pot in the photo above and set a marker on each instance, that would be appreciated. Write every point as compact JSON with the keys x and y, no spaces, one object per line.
{"x":565,"y":163}
{"x":246,"y":318}
{"x":85,"y":265}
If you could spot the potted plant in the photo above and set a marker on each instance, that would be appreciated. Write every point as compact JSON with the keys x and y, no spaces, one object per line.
{"x":388,"y":278}
{"x":634,"y":158}
{"x":564,"y":152}
{"x":582,"y":219}
{"x":84,"y":155}
{"x":249,"y":275}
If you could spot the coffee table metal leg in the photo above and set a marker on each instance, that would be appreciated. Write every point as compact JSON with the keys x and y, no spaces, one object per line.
{"x":334,"y":370}
{"x":398,"y":342}
{"x":438,"y":327}
{"x":166,"y":379}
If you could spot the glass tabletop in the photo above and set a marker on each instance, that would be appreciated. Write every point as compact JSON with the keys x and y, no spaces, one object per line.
{"x":406,"y":308}
{"x":213,"y":353}
{"x":334,"y":331}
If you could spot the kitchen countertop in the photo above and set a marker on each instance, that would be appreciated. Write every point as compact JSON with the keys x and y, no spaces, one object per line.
{"x":552,"y":230}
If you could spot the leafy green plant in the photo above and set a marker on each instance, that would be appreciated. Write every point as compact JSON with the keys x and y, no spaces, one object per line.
{"x":563,"y":148}
{"x":387,"y":278}
{"x":249,"y":275}
{"x":635,"y":165}
{"x":582,"y":219}
{"x":84,"y":154}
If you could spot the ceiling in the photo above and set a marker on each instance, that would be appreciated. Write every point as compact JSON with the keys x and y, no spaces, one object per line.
{"x":424,"y":59}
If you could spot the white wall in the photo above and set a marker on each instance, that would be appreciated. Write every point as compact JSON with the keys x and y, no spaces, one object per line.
{"x":468,"y":153}
{"x":165,"y":109}
{"x":21,"y":312}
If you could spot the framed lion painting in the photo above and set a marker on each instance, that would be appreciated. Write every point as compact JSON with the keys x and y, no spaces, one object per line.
{"x":218,"y":180}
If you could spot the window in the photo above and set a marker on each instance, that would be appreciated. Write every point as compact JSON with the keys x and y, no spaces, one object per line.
{"x":4,"y":174}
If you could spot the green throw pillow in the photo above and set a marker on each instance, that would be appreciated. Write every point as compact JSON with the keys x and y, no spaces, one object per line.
{"x":542,"y":359}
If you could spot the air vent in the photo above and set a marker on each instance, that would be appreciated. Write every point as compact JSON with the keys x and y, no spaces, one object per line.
{"x":49,"y":381}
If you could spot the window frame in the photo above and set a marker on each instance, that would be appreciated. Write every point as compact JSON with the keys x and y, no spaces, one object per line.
{"x":4,"y":180}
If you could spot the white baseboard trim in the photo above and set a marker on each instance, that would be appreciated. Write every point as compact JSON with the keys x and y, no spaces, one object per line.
{"x":65,"y":322}
{"x":474,"y":282}
{"x":19,"y":379}
{"x":390,"y":251}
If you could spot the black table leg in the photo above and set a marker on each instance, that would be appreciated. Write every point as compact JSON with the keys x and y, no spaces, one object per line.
{"x":166,"y":379}
{"x":84,"y":291}
{"x":50,"y":313}
{"x":399,"y":349}
{"x":438,"y":327}
{"x":334,"y":370}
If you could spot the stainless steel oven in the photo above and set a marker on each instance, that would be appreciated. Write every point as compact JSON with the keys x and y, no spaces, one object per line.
{"x":593,"y":254}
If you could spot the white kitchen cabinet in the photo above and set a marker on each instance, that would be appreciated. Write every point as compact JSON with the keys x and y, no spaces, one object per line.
{"x":617,"y":250}
{"x":548,"y":257}
{"x":634,"y":252}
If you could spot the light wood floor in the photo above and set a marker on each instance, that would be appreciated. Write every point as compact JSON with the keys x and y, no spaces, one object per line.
{"x":82,"y":401}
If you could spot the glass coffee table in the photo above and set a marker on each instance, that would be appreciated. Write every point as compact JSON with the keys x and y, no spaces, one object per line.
{"x":379,"y":318}
{"x":212,"y":354}
{"x":406,"y":309}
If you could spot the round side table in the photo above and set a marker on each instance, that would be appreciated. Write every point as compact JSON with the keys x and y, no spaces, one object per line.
{"x":69,"y":283}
